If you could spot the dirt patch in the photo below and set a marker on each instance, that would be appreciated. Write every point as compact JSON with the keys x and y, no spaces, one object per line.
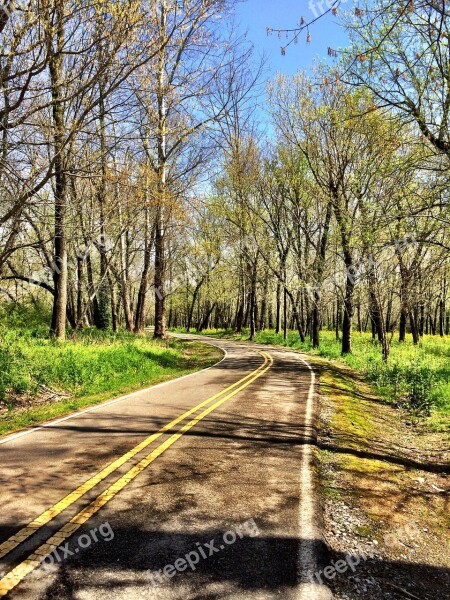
{"x":26,"y":401}
{"x":386,"y":495}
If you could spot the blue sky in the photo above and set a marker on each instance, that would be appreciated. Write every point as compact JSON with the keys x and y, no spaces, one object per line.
{"x":255,"y":15}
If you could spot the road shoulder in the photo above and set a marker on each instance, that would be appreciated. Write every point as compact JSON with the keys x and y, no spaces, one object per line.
{"x":385,"y":494}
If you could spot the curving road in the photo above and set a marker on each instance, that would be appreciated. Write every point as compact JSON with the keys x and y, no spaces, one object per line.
{"x":197,"y":488}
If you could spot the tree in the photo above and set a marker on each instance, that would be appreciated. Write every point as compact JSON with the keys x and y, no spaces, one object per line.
{"x":401,"y":53}
{"x":347,"y":157}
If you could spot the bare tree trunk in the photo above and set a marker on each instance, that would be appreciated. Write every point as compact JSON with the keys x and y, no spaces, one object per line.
{"x":160,"y":272}
{"x":348,"y":317}
{"x":349,"y":284}
{"x":402,"y":325}
{"x":79,"y":292}
{"x":60,"y":267}
{"x":316,"y":320}
{"x":139,"y":323}
{"x":124,"y":275}
{"x":278,"y":308}
{"x":377,"y":312}
{"x":160,"y":250}
{"x":114,"y":310}
{"x":337,"y":324}
{"x":414,"y":323}
{"x":192,"y":305}
{"x":389,"y":313}
{"x":403,"y":309}
{"x":263,"y":313}
{"x":295,"y":315}
{"x":442,"y":308}
{"x":204,"y":324}
{"x":358,"y":316}
{"x":253,"y":301}
{"x":104,"y":298}
{"x":239,"y":323}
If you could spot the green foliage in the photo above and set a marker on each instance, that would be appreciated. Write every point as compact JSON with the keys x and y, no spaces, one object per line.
{"x":14,"y":376}
{"x":28,"y":315}
{"x":420,"y":380}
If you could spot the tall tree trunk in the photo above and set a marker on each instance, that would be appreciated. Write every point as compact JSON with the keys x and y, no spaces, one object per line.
{"x":358,"y":316}
{"x":139,"y":322}
{"x":278,"y":308}
{"x":296,"y":316}
{"x":113,"y":301}
{"x":192,"y":305}
{"x":124,"y":277}
{"x":204,"y":324}
{"x":240,"y":317}
{"x":348,"y":317}
{"x":270,"y":323}
{"x":389,"y":313}
{"x":337,"y":323}
{"x":160,"y":282}
{"x":79,"y":318}
{"x":350,"y":280}
{"x":414,"y":323}
{"x":316,"y":320}
{"x":377,"y":312}
{"x":160,"y":242}
{"x":421,"y":320}
{"x":263,"y":313}
{"x":253,"y":301}
{"x":55,"y":40}
{"x":442,"y":308}
{"x":402,"y":325}
{"x":404,"y":310}
{"x":104,"y":297}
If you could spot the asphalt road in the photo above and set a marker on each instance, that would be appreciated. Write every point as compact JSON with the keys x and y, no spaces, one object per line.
{"x":198,"y":488}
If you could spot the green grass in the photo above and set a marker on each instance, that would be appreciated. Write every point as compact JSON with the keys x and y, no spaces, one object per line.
{"x":417,"y":377}
{"x":92,"y":367}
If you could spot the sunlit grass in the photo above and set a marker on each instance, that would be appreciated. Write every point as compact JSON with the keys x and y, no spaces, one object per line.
{"x":90,"y":368}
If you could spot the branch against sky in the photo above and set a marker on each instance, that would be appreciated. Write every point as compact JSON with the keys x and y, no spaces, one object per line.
{"x":292,"y":35}
{"x":401,"y":52}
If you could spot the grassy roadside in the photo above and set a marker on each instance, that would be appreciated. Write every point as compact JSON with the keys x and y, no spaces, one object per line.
{"x":41,"y":379}
{"x":385,"y":492}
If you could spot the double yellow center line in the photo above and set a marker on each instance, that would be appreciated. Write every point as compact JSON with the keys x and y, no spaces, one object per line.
{"x":33,"y":560}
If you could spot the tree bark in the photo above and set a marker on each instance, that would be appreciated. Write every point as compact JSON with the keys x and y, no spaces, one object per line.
{"x":160,"y":242}
{"x":139,"y":322}
{"x":104,"y":297}
{"x":55,"y":42}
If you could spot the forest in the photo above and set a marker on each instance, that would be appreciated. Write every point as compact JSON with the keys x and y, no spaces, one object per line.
{"x":140,"y":185}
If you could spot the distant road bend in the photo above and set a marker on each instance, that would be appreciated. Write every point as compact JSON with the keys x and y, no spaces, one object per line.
{"x":197,"y":488}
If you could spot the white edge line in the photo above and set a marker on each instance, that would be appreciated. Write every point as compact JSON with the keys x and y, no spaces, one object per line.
{"x":306,"y":559}
{"x":15,"y":436}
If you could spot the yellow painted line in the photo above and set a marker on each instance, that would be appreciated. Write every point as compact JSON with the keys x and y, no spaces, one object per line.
{"x":16,"y":575}
{"x":7,"y":546}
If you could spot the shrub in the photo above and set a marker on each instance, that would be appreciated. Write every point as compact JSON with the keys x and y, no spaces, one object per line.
{"x":419,"y":379}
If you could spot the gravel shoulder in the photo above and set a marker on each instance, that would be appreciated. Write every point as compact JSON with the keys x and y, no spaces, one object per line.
{"x":386,"y":495}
